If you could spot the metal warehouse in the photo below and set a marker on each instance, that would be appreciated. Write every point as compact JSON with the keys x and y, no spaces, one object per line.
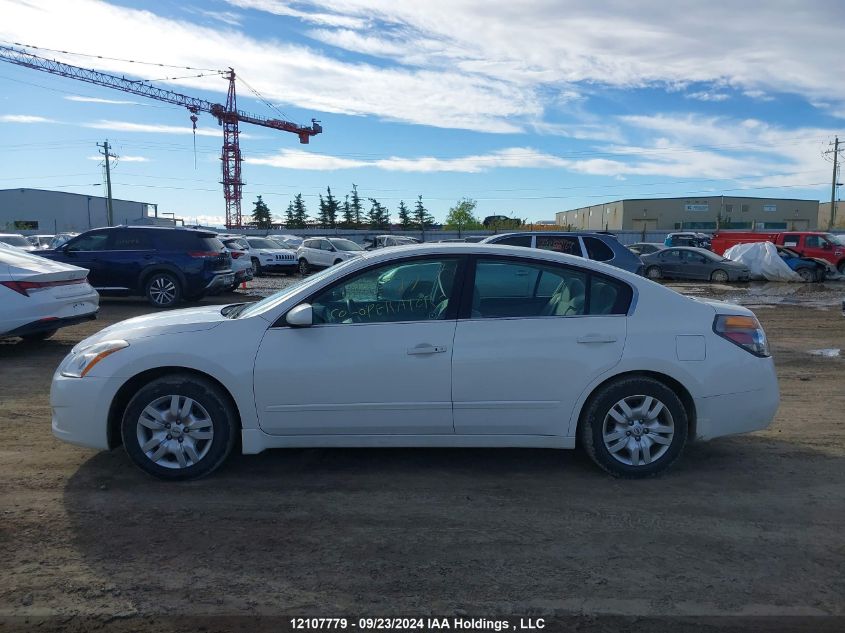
{"x":696,"y":213}
{"x":42,"y":211}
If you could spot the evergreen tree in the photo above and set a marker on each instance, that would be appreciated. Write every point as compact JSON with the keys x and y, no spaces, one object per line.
{"x":322,"y":214}
{"x":348,"y":215}
{"x":261,"y":216}
{"x":300,"y":213}
{"x":422,"y":218}
{"x":379,"y":216}
{"x":290,"y":217}
{"x":404,"y":213}
{"x":332,"y":208}
{"x":357,"y":210}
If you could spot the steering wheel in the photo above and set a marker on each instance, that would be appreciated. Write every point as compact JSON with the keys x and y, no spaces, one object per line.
{"x":352,"y":311}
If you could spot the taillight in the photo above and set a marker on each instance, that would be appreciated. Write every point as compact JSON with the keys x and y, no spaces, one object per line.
{"x":203,"y":254}
{"x":744,"y":331}
{"x":23,"y":287}
{"x":235,"y":254}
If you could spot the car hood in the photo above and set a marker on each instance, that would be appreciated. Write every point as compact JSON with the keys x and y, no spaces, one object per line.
{"x":170,"y":322}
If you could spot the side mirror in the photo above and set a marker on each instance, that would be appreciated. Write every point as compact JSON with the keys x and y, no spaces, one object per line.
{"x":301,"y":316}
{"x":827,"y":246}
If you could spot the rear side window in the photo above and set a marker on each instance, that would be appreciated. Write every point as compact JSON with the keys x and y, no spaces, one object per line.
{"x":559,"y":244}
{"x":790,"y":240}
{"x":311,"y":244}
{"x":597,"y":250}
{"x":131,"y":241}
{"x":516,"y":240}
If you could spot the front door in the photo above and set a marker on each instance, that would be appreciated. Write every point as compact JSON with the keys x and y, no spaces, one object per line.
{"x":378,"y":359}
{"x":87,"y":251}
{"x":519,"y":366}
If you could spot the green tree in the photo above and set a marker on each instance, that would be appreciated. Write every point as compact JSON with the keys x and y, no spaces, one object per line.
{"x":379,"y":216}
{"x":348,"y":215}
{"x":461,"y":217}
{"x":329,"y":208}
{"x":404,"y":213}
{"x":296,"y":216}
{"x":357,"y":209}
{"x":261,"y":216}
{"x":422,"y":218}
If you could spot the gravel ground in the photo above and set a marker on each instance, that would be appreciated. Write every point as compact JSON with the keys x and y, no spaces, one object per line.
{"x":744,"y":526}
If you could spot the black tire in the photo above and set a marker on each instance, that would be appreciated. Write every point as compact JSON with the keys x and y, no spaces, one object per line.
{"x":719,"y":276}
{"x":163,"y":290}
{"x":654,"y":272}
{"x":304,"y":267}
{"x":257,"y":270}
{"x":597,"y":413}
{"x":337,"y":261}
{"x":807,"y":275}
{"x":37,"y":337}
{"x":211,"y":452}
{"x":841,"y":268}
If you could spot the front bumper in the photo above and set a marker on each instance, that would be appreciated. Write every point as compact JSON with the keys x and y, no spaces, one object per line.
{"x":80,"y":408}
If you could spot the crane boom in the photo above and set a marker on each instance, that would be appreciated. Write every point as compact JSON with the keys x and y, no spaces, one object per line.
{"x":228,"y":116}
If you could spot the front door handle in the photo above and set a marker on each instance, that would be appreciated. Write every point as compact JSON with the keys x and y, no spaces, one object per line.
{"x":426,"y":349}
{"x":596,"y":338}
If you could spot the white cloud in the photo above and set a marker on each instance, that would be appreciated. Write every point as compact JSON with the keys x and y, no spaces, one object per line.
{"x":278,"y":7}
{"x":704,"y":95}
{"x":125,"y":159}
{"x":128,"y":126}
{"x":99,"y":100}
{"x":24,"y":118}
{"x":513,"y":157}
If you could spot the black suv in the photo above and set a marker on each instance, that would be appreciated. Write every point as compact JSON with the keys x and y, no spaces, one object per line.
{"x":164,"y":264}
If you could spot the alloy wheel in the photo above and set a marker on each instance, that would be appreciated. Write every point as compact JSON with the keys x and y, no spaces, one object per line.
{"x":162,"y":291}
{"x":638,"y":430}
{"x":175,"y":431}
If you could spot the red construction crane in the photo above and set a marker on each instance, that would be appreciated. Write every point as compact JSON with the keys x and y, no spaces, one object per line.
{"x":228,"y":116}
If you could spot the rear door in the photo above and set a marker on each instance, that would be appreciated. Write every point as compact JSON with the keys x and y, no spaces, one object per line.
{"x":520,"y":363}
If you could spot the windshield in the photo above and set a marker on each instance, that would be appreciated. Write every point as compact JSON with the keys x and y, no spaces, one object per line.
{"x":345,"y":245}
{"x":15,"y":240}
{"x":839,"y":240}
{"x":258,"y":242}
{"x":275,"y":299}
{"x":284,"y":245}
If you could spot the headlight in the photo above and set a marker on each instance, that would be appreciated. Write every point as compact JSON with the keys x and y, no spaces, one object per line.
{"x":83,"y":361}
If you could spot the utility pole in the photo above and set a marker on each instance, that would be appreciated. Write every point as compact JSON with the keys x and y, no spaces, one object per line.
{"x":833,"y":184}
{"x":104,"y":150}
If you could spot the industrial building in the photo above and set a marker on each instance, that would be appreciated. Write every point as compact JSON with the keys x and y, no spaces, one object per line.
{"x":42,"y":211}
{"x":838,"y":216}
{"x":699,"y":213}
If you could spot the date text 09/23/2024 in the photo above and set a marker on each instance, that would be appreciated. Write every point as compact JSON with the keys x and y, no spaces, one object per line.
{"x":418,"y":624}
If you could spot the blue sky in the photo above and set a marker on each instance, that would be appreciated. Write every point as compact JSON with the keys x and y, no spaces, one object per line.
{"x":528,"y":107}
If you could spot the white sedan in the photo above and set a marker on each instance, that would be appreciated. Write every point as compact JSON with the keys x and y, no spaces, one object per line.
{"x":39,"y":295}
{"x":431,"y":345}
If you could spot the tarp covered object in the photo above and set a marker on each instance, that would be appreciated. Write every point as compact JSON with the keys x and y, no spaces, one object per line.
{"x":763,"y":260}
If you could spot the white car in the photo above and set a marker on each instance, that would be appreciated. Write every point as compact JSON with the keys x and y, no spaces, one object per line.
{"x":322,"y":252}
{"x":39,"y":296}
{"x":239,"y":250}
{"x":509,"y":347}
{"x":17,"y":240}
{"x":271,"y":256}
{"x":40,"y":242}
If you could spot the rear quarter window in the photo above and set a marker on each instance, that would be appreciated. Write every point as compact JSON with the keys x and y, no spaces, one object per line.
{"x":609,"y":296}
{"x":598,"y":250}
{"x":516,"y":240}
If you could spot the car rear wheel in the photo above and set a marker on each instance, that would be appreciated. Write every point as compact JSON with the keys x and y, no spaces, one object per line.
{"x":38,"y":336}
{"x":719,"y":276}
{"x":841,"y":268}
{"x":304,"y":267}
{"x":654,"y":272}
{"x":179,"y":426}
{"x":163,"y":290}
{"x":806,"y":274}
{"x":634,"y":427}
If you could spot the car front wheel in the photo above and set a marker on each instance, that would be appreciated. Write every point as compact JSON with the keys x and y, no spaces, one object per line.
{"x":807,"y":275}
{"x":179,"y":426}
{"x":634,"y":427}
{"x":257,"y":271}
{"x":304,"y":268}
{"x":163,"y":290}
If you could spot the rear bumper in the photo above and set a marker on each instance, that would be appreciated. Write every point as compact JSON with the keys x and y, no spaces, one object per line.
{"x":220,"y":281}
{"x":48,"y":324}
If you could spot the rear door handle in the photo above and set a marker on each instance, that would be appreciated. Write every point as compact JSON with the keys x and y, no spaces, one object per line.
{"x":426,"y":349}
{"x":596,"y":338}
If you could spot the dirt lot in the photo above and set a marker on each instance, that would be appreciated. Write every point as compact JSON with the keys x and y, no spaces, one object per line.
{"x":751,"y":525}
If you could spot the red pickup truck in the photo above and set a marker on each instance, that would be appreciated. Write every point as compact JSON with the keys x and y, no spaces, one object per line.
{"x":815,"y":244}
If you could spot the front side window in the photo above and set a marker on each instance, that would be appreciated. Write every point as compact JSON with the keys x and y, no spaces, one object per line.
{"x":90,"y":242}
{"x":419,"y":290}
{"x":815,"y":241}
{"x":560,"y":244}
{"x":694,"y":258}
